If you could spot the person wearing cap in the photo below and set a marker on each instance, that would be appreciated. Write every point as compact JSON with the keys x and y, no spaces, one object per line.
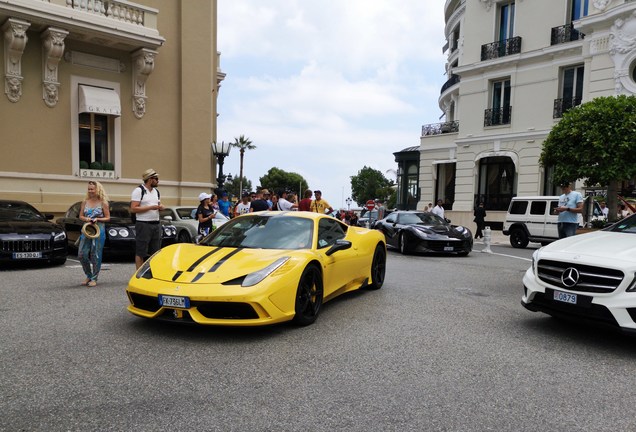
{"x":145,"y":203}
{"x":283,"y":204}
{"x":204,"y":213}
{"x":259,"y":203}
{"x":319,"y":205}
{"x":305,"y":203}
{"x":224,"y":204}
{"x":570,"y":205}
{"x":244,"y":206}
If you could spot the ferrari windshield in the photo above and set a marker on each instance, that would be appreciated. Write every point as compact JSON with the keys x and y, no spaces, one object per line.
{"x":421,"y":219}
{"x":14,"y":211}
{"x":264,"y":232}
{"x":627,"y":225}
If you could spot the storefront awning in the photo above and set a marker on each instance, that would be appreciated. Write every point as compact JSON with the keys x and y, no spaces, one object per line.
{"x":99,"y":100}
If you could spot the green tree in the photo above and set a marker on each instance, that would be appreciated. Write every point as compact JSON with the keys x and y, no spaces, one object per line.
{"x":242,"y":144}
{"x":369,"y":184}
{"x":595,"y":141}
{"x":234,"y":187}
{"x":276,"y":179}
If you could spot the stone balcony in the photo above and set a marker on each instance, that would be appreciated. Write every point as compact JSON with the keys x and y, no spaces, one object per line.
{"x":117,"y":24}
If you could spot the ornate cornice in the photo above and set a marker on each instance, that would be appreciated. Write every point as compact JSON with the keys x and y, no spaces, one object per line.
{"x":15,"y":40}
{"x":622,"y":50}
{"x":601,"y":4}
{"x":52,"y":52}
{"x":143,"y":65}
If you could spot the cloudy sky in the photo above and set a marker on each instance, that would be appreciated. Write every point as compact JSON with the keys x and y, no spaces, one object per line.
{"x":326,"y":87}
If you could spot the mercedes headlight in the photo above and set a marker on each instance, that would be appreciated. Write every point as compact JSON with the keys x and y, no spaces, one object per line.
{"x":60,"y":236}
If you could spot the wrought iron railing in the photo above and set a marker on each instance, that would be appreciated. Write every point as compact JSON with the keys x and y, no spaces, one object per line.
{"x":497,"y":116}
{"x":564,"y":33}
{"x":563,"y":105}
{"x":501,"y":48}
{"x":440,"y":128}
{"x":454,"y":79}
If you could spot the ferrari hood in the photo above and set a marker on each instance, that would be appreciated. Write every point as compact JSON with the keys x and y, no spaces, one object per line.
{"x":444,"y":230}
{"x":191,"y":263}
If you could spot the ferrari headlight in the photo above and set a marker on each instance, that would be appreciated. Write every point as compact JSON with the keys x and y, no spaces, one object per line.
{"x":254,"y":278}
{"x":144,"y":271}
{"x":60,"y":236}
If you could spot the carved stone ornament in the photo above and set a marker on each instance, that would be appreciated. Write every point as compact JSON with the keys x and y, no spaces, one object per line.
{"x":622,"y":50}
{"x":15,"y":40}
{"x":143,"y":65}
{"x":487,"y":3}
{"x":601,"y":4}
{"x":52,"y":52}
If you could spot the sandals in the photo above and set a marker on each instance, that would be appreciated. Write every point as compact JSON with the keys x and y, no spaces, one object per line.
{"x":85,"y":283}
{"x":92,"y":283}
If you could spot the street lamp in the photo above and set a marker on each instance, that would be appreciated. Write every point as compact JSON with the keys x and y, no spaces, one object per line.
{"x":349,"y":201}
{"x":220,"y":151}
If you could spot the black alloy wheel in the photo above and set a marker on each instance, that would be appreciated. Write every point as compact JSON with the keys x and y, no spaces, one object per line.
{"x":378,"y":268}
{"x":308,"y":296}
{"x":518,"y":239}
{"x":403,"y":245}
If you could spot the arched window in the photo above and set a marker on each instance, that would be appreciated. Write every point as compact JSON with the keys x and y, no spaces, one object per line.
{"x":496,"y":183}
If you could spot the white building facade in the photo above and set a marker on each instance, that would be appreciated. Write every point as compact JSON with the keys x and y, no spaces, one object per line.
{"x":513,"y":68}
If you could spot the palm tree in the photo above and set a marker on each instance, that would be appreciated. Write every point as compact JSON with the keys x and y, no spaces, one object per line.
{"x":242,"y":144}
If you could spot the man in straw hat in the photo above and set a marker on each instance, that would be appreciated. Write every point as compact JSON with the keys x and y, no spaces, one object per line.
{"x":145,"y":203}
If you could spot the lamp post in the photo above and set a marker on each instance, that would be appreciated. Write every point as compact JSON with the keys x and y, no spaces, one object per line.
{"x":349,"y":201}
{"x":220,"y":151}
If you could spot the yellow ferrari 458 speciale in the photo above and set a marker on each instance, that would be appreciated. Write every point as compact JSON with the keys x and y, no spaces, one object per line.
{"x":259,"y":268}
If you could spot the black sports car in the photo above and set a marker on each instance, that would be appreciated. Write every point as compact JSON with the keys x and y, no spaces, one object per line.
{"x":120,"y":230}
{"x":411,"y":231}
{"x":28,"y":235}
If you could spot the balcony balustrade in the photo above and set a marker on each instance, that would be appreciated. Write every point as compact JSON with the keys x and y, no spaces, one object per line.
{"x":501,"y":48}
{"x":497,"y":116}
{"x":440,"y":128}
{"x":563,"y":105}
{"x":565,"y":33}
{"x":454,"y":79}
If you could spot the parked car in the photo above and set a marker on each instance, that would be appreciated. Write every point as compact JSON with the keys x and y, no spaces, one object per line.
{"x":414,"y":231}
{"x":120,"y":230}
{"x":259,"y":269}
{"x":532,"y":218}
{"x":589,"y":276}
{"x":28,"y":235}
{"x":183,"y":219}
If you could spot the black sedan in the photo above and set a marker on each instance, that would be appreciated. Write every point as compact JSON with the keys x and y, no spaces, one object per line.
{"x":28,"y":235}
{"x":120,"y":230}
{"x":411,"y":231}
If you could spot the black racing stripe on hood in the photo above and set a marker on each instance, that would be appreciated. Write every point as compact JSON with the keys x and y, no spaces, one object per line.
{"x":203,"y":258}
{"x":222,"y":261}
{"x":197,"y":277}
{"x":176,"y":275}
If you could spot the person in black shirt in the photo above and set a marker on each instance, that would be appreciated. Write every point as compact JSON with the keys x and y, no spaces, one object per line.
{"x":205,"y":214}
{"x":259,"y":204}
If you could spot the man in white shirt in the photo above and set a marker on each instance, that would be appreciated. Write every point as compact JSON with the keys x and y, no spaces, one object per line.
{"x":439,"y":209}
{"x":145,"y":203}
{"x":283,"y":204}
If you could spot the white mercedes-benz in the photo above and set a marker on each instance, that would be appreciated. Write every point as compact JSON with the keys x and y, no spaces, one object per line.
{"x":588,"y":276}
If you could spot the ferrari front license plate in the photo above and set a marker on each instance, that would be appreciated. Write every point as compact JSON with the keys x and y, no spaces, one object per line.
{"x":565,"y":297}
{"x":27,"y":255}
{"x":448,"y":248}
{"x":174,"y":302}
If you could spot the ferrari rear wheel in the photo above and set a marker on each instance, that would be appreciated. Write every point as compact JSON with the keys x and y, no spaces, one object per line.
{"x":308,"y":296}
{"x":378,"y":268}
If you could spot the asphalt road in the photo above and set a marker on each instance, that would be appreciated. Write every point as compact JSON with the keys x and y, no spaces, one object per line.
{"x":443,"y":346}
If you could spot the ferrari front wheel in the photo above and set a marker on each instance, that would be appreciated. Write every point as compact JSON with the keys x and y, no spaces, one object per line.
{"x":308,"y":296}
{"x":378,"y":268}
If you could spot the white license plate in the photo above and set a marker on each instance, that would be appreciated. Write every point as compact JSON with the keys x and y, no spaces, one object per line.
{"x":175,"y":302}
{"x":448,"y":248}
{"x":27,"y":255}
{"x":565,"y":297}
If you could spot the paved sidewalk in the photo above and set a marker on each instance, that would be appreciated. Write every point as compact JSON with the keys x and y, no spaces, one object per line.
{"x":496,"y":238}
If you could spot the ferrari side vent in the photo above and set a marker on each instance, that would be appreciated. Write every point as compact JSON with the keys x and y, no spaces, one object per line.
{"x":147,"y":303}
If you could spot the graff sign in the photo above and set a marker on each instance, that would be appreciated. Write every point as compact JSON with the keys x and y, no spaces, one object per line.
{"x":97,"y":173}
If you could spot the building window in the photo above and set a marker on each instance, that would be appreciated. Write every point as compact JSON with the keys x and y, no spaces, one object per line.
{"x":506,"y":21}
{"x":455,"y":39}
{"x":500,"y":111}
{"x":94,"y":142}
{"x":579,"y":9}
{"x":496,"y":183}
{"x":549,"y":187}
{"x":571,"y":90}
{"x":445,"y":186}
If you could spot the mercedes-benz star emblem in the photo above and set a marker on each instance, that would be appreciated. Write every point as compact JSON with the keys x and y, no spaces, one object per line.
{"x":570,"y":277}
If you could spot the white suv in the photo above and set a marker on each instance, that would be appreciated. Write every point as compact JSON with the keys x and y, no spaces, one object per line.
{"x":590,"y":276}
{"x":532,"y":218}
